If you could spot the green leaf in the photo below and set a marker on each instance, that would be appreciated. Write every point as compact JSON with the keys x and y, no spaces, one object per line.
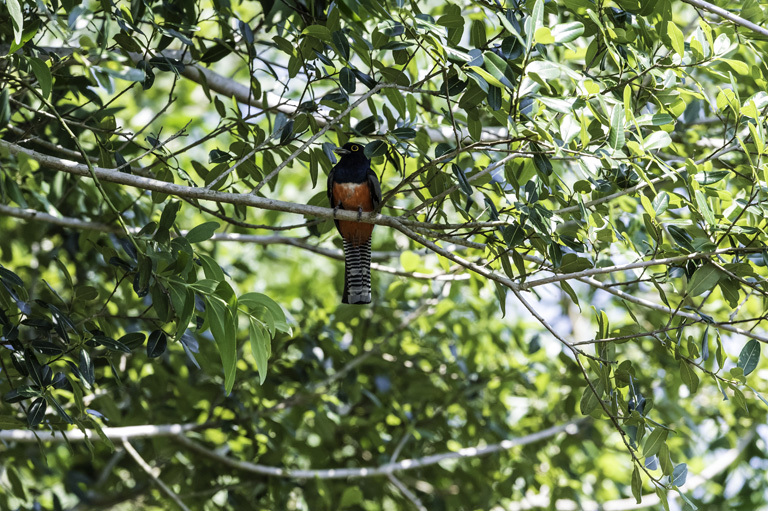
{"x":704,"y":279}
{"x":477,"y":37}
{"x":657,"y":140}
{"x":676,"y":37}
{"x":14,"y":9}
{"x":567,"y":32}
{"x":111,"y":344}
{"x":451,"y":21}
{"x":665,"y":461}
{"x":488,"y":77}
{"x":202,"y":232}
{"x":404,"y":133}
{"x":376,"y":148}
{"x":498,"y":67}
{"x":689,"y":377}
{"x":157,"y":344}
{"x":637,"y":485}
{"x":213,"y":54}
{"x":348,"y":80}
{"x":749,"y":356}
{"x":543,"y":36}
{"x":654,"y":441}
{"x":704,"y":209}
{"x":589,"y":401}
{"x":679,"y":475}
{"x":5,"y":110}
{"x":662,"y":494}
{"x":535,"y":22}
{"x":740,"y":67}
{"x":395,"y":97}
{"x":260,"y":347}
{"x":318,"y":31}
{"x":352,"y":496}
{"x":660,"y":203}
{"x":36,"y":412}
{"x":616,"y":135}
{"x":708,"y":178}
{"x":43,"y":75}
{"x":274,"y":318}
{"x":222,"y":327}
{"x":689,"y":505}
{"x":341,"y":43}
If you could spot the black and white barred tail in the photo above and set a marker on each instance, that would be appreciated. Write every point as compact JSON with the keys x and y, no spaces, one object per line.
{"x":357,"y":273}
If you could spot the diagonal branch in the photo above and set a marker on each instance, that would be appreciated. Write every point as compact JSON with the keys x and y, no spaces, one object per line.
{"x":727,"y":15}
{"x":145,"y":466}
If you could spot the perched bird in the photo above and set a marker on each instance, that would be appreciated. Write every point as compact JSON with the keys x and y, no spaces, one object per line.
{"x":353,"y":186}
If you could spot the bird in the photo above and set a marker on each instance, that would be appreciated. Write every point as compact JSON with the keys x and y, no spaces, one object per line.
{"x":353,"y":186}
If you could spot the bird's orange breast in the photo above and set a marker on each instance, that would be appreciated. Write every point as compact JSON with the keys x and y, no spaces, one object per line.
{"x":353,"y":197}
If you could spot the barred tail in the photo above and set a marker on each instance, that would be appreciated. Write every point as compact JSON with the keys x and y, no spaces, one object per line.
{"x":357,"y":273}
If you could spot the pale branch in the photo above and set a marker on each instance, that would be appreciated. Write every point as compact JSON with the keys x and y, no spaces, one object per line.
{"x":76,"y":435}
{"x":251,"y":200}
{"x":569,"y":428}
{"x":146,"y":183}
{"x":190,"y":192}
{"x":406,"y":492}
{"x":456,"y":259}
{"x":654,"y":306}
{"x":666,"y":261}
{"x":616,"y":195}
{"x":727,"y":15}
{"x":31,"y":214}
{"x":666,"y":310}
{"x":720,"y":462}
{"x":69,"y":153}
{"x":155,"y":477}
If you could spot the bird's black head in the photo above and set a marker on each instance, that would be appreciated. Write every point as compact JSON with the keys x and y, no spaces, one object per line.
{"x":353,"y":166}
{"x":353,"y":153}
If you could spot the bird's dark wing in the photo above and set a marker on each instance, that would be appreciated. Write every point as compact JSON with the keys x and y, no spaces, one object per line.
{"x":330,"y":186}
{"x":373,"y":184}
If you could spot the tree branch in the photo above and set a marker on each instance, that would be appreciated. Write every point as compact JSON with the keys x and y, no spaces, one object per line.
{"x":569,"y":428}
{"x":727,"y":15}
{"x":76,"y":435}
{"x":145,"y":466}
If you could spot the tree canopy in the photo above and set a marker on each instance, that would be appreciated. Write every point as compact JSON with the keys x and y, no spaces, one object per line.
{"x":570,"y":263}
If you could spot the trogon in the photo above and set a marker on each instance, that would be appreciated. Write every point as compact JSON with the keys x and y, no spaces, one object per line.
{"x":353,"y":186}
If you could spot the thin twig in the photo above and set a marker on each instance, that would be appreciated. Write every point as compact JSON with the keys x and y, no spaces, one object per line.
{"x":145,"y":466}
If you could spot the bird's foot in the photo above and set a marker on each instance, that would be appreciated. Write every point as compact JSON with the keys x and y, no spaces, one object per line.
{"x":359,"y":214}
{"x":335,"y":210}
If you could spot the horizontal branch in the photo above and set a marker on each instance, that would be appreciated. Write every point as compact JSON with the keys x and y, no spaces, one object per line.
{"x":190,"y":192}
{"x":636,"y":265}
{"x":569,"y":428}
{"x":76,"y":435}
{"x":31,"y":214}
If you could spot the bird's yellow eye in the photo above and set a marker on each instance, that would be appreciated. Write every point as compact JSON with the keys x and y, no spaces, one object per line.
{"x":354,"y":148}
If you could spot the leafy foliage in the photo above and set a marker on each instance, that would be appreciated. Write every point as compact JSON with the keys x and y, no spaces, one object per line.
{"x":573,"y":225}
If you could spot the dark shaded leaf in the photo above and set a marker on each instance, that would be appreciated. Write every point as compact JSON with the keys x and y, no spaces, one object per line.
{"x":36,"y":412}
{"x":749,"y":356}
{"x":157,"y":343}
